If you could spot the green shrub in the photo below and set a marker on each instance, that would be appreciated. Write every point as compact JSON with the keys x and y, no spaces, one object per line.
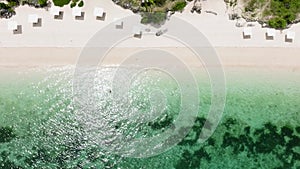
{"x":282,"y":12}
{"x":13,"y":4}
{"x":179,"y":6}
{"x":286,"y":9}
{"x":73,"y":4}
{"x":61,"y":3}
{"x":43,"y":2}
{"x":289,"y":17}
{"x":4,"y":6}
{"x":81,"y":3}
{"x":277,"y":23}
{"x":10,"y":10}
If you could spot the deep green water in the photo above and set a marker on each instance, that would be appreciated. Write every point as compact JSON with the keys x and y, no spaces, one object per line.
{"x":260,"y":127}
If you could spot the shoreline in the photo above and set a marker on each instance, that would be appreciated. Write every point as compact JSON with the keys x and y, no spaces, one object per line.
{"x":264,"y":57}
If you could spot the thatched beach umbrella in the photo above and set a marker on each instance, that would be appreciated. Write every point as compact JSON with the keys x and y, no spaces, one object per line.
{"x":12,"y":25}
{"x":290,"y":36}
{"x":247,"y":33}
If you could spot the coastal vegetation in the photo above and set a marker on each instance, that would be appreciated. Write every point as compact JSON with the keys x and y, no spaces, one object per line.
{"x":61,"y":3}
{"x":179,"y":6}
{"x":152,"y":11}
{"x":7,"y":8}
{"x":72,"y":3}
{"x":80,"y":4}
{"x":277,"y":14}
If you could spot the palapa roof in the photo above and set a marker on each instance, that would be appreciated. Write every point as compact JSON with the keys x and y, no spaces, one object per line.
{"x":76,"y":11}
{"x":98,"y":12}
{"x":12,"y":25}
{"x":33,"y":18}
{"x":247,"y":31}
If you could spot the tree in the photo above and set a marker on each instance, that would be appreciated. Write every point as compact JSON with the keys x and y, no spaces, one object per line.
{"x":81,"y":3}
{"x":61,"y":3}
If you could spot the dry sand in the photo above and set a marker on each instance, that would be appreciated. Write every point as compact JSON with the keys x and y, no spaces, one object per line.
{"x":219,"y":30}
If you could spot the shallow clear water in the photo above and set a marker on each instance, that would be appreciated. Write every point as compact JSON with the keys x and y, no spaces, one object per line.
{"x":42,"y":127}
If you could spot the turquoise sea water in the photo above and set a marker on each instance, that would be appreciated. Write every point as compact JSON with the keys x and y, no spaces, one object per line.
{"x":40,"y":127}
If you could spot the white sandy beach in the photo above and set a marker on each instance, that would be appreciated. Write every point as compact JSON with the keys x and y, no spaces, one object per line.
{"x":69,"y":32}
{"x":59,"y":42}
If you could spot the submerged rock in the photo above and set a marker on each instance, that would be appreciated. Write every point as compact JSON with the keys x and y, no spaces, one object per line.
{"x":6,"y":134}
